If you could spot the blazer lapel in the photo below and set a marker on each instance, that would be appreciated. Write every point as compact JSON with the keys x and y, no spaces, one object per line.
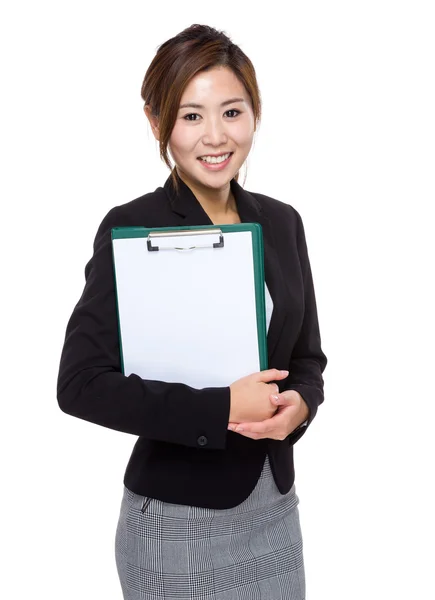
{"x":185,"y":204}
{"x":190,"y":212}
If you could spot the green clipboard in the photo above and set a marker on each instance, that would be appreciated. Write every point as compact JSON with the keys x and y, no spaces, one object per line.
{"x":139,"y":241}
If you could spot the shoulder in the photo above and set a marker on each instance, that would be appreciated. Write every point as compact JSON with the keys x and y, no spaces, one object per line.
{"x":277,"y":210}
{"x":132,"y":212}
{"x":143,"y":204}
{"x":137,"y":208}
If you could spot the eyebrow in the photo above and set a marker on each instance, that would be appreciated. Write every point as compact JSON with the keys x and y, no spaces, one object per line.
{"x":194,"y":105}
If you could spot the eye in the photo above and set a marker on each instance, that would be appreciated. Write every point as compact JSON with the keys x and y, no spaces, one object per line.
{"x":231,"y":110}
{"x":191,"y":115}
{"x":234,"y":110}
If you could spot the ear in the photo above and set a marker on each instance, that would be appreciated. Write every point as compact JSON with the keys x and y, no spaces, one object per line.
{"x":154,"y":121}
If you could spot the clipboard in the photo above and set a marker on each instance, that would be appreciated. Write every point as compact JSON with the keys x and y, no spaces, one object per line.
{"x":190,"y":302}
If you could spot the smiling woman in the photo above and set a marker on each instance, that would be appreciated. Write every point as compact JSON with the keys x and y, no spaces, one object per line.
{"x":203,"y":70}
{"x":210,"y":149}
{"x":208,"y":510}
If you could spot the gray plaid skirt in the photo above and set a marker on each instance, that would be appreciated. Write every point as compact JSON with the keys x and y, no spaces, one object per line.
{"x":253,"y":551}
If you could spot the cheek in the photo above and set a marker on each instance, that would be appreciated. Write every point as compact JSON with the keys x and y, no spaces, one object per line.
{"x":175,"y":140}
{"x":244,"y":143}
{"x":182,"y":139}
{"x":243,"y":135}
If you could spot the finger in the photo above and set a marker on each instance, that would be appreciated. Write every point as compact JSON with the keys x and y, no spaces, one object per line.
{"x":286,"y":398}
{"x":271,"y":375}
{"x":275,"y":399}
{"x":233,"y":426}
{"x":276,"y":388}
{"x":260,"y":427}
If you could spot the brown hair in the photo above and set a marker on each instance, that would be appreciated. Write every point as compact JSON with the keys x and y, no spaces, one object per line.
{"x":197,"y":48}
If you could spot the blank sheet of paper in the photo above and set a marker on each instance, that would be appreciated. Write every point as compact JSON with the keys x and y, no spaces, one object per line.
{"x":187,"y":316}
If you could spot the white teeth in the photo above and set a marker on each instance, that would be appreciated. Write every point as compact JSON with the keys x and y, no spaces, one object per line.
{"x":215,"y":159}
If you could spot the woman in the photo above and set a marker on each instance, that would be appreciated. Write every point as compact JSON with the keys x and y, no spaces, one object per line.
{"x":208,"y":510}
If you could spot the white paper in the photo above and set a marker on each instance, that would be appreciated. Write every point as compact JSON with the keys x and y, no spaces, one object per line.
{"x":188,"y":316}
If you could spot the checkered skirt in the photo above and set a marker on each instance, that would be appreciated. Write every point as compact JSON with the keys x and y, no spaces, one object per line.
{"x":253,"y":551}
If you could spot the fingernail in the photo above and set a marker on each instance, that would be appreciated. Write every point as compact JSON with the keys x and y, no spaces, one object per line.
{"x":275,"y":397}
{"x":239,"y":428}
{"x":284,"y":372}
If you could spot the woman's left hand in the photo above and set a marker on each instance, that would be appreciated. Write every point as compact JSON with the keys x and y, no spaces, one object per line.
{"x":292,"y":412}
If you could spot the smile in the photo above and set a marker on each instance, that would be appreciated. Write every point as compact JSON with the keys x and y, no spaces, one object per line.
{"x":216,"y":163}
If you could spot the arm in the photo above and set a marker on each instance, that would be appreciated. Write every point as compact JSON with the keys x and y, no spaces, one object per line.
{"x":308,"y":360}
{"x":90,"y":382}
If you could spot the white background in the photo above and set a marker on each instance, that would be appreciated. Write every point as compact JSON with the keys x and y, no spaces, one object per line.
{"x":347,"y":138}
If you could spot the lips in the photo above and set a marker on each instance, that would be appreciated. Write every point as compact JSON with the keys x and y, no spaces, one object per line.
{"x":215,"y":155}
{"x":216,"y":166}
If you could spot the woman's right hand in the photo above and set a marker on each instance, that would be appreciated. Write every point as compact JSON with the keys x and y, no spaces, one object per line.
{"x":250,"y":396}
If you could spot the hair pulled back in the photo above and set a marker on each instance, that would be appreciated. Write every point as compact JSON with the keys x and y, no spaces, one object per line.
{"x":195,"y":49}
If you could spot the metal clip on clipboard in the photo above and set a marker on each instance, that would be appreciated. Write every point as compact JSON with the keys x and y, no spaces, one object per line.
{"x":182,"y":233}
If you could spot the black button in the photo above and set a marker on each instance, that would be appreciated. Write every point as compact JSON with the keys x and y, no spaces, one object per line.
{"x":202,"y":440}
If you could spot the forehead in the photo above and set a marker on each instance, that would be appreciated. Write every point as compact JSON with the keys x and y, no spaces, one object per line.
{"x":214,"y":85}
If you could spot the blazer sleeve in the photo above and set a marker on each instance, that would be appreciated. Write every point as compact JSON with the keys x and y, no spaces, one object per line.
{"x":307,"y":361}
{"x":91,"y":385}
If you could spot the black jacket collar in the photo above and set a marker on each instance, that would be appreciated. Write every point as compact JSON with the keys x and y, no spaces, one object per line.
{"x":186,"y":204}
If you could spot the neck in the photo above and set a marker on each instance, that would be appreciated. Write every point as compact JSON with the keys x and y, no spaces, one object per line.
{"x":215,"y":202}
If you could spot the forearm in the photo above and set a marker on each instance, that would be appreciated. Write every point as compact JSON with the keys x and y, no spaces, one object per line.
{"x":170,"y":412}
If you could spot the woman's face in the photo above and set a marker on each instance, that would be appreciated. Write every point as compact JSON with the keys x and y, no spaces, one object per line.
{"x":214,"y":126}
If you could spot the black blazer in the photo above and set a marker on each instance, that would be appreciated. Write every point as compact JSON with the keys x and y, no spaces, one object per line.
{"x":185,"y":454}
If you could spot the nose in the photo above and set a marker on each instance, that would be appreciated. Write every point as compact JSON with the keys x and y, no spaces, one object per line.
{"x":215,"y":134}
